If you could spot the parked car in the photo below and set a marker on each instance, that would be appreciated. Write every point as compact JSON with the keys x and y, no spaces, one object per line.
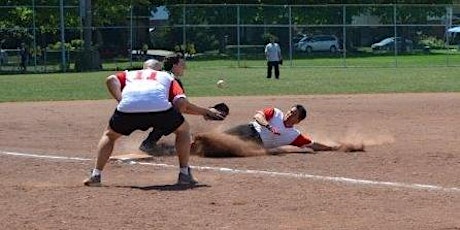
{"x":388,"y":44}
{"x":318,"y":43}
{"x":297,"y":38}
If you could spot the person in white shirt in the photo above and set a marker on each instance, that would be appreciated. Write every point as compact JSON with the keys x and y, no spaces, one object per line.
{"x":271,"y":132}
{"x":274,"y":58}
{"x":148,"y":98}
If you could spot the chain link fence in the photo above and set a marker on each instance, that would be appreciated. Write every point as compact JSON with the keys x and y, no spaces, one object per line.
{"x":50,"y":38}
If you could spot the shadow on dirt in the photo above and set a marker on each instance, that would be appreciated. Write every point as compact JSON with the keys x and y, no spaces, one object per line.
{"x":168,"y":187}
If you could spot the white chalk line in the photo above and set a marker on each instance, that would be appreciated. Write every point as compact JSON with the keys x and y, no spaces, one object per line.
{"x":344,"y":180}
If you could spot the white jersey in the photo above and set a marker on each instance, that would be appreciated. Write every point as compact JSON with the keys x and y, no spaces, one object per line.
{"x":146,"y":91}
{"x":272,"y":51}
{"x":287,"y":134}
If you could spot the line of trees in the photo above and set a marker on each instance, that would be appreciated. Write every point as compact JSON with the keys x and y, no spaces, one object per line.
{"x":18,"y":18}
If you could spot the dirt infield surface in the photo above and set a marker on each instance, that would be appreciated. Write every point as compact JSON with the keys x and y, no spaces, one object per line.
{"x":409,"y":177}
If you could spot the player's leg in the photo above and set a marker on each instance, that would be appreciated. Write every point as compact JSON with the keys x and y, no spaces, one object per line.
{"x":104,"y":150}
{"x":277,"y":70}
{"x":149,"y":145}
{"x":172,"y":121}
{"x":105,"y":147}
{"x":245,"y":132}
{"x":119,"y":124}
{"x":183,"y":142}
{"x":269,"y":69}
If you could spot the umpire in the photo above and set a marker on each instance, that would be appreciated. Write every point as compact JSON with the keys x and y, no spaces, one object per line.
{"x":274,"y":58}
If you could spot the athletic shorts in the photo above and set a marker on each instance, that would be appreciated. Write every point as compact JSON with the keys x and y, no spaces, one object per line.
{"x":246,"y":132}
{"x":126,"y":123}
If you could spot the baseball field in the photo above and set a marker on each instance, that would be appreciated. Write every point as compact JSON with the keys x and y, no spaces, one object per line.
{"x":408,"y":177}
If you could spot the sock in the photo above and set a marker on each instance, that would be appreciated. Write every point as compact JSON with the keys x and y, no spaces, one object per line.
{"x":96,"y":172}
{"x":184,"y":170}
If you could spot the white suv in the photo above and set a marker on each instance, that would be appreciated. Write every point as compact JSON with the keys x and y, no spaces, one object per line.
{"x":318,"y":43}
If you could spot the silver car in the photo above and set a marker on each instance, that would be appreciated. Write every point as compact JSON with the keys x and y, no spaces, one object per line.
{"x":328,"y":43}
{"x":388,"y":44}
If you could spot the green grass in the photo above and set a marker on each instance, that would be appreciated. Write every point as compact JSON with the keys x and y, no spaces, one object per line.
{"x":201,"y":77}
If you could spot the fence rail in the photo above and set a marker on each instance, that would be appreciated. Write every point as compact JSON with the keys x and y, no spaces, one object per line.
{"x":236,"y":33}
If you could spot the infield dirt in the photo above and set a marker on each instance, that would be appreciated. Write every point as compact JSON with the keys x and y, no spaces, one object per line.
{"x":411,"y":139}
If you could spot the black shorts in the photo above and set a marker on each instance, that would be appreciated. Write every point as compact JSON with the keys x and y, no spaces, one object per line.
{"x":126,"y":123}
{"x":246,"y":132}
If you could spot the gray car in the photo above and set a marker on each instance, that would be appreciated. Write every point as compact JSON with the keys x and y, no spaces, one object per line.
{"x":329,"y":43}
{"x":388,"y":44}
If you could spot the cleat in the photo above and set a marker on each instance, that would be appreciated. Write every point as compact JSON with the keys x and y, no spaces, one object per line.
{"x":186,"y":179}
{"x":93,"y":181}
{"x":150,"y":148}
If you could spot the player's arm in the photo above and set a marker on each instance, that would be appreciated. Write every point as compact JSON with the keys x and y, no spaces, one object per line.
{"x":280,"y":56}
{"x":316,"y":146}
{"x":177,"y":96}
{"x":184,"y":106}
{"x":260,"y":118}
{"x":114,"y":87}
{"x":263,"y":117}
{"x":285,"y":149}
{"x":304,"y":141}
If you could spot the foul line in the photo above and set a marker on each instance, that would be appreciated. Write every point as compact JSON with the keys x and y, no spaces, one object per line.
{"x":344,"y":180}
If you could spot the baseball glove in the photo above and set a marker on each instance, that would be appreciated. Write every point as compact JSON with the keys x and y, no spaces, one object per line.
{"x":222,"y":108}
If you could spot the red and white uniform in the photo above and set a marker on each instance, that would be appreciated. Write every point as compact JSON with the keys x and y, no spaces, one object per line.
{"x":288,"y":135}
{"x":147,"y":90}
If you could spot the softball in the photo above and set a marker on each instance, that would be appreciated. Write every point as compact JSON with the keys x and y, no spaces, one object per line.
{"x":220,"y":83}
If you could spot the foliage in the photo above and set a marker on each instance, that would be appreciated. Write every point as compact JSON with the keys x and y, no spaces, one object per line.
{"x":432,"y":42}
{"x":72,"y":45}
{"x":17,"y":19}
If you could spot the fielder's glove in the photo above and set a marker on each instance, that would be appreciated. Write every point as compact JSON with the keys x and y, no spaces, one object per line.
{"x":221,"y":109}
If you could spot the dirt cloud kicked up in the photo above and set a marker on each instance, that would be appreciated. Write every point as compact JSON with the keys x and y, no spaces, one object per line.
{"x":217,"y":144}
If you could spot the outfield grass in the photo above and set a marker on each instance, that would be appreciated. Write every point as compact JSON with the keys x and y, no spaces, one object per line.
{"x":200,"y":80}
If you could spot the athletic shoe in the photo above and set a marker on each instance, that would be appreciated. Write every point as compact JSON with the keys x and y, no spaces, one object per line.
{"x":150,"y":147}
{"x":93,"y":181}
{"x":186,"y":179}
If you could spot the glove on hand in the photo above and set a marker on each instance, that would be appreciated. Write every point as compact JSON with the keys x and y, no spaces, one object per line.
{"x":220,"y":112}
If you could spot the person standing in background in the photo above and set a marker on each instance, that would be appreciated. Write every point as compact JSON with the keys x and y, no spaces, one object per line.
{"x":274,"y":58}
{"x":24,"y":55}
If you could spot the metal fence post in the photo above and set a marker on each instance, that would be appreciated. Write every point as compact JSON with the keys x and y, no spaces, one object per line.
{"x":63,"y":58}
{"x":290,"y":35}
{"x":238,"y":33}
{"x":34,"y":36}
{"x":395,"y":35}
{"x":344,"y":35}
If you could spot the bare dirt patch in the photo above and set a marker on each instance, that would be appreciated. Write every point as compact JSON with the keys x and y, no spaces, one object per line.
{"x":411,"y":139}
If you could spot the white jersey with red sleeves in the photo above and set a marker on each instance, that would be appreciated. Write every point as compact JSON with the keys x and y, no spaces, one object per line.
{"x":288,"y":135}
{"x":147,"y":90}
